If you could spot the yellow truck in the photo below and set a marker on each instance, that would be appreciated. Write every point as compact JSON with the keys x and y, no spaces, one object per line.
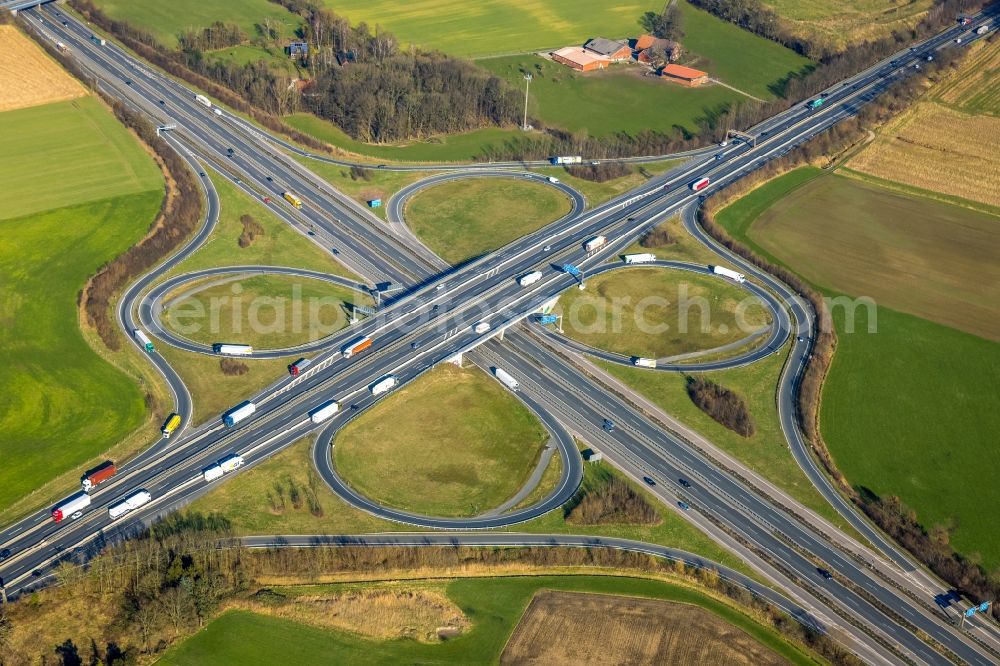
{"x":172,"y":423}
{"x":292,"y":199}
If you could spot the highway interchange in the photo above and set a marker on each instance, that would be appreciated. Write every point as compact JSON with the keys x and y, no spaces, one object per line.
{"x":423,"y":325}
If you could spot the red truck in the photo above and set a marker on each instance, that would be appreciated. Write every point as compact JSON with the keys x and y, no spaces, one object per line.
{"x":98,"y":475}
{"x":296,"y":368}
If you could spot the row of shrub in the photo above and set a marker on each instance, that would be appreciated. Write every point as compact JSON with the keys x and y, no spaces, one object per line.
{"x":167,"y":582}
{"x":723,"y":405}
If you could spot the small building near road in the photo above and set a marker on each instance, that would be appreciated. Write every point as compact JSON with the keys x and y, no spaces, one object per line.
{"x":579,"y":59}
{"x":609,"y":48}
{"x":684,"y":75}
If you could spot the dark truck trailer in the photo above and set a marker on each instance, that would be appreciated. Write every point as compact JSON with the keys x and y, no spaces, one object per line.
{"x":98,"y":475}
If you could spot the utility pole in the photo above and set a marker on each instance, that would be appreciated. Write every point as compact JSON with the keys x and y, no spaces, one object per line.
{"x":527,"y":82}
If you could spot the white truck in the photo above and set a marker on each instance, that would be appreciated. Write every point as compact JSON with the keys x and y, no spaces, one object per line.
{"x":204,"y":101}
{"x":77,"y":502}
{"x":230,"y":463}
{"x":641,"y":362}
{"x":143,"y":340}
{"x":595,"y":243}
{"x":232,"y":350}
{"x":553,"y":180}
{"x":130,"y":503}
{"x":566,"y":159}
{"x":982,"y":30}
{"x":324,"y":411}
{"x":387,"y":383}
{"x":530,"y":278}
{"x":211,"y":473}
{"x":481,"y":327}
{"x":238,"y":413}
{"x":506,"y":379}
{"x":729,"y":273}
{"x":643,"y":258}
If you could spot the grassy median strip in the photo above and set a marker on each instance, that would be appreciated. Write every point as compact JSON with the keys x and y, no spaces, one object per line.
{"x":453,"y":443}
{"x":463,"y":219}
{"x":766,"y":451}
{"x":656,"y":312}
{"x":265,"y":311}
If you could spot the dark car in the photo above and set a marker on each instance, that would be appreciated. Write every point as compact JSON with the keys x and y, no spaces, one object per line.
{"x":649,"y":481}
{"x":684,"y":505}
{"x":684,"y":482}
{"x":609,"y":425}
{"x":414,"y":345}
{"x":162,"y":102}
{"x":64,"y":23}
{"x":4,"y":554}
{"x":128,"y":82}
{"x":825,"y":573}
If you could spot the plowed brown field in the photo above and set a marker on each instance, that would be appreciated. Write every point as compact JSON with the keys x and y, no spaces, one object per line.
{"x":568,"y":628}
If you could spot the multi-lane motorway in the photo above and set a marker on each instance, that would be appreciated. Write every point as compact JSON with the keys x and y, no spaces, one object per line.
{"x":884,"y":611}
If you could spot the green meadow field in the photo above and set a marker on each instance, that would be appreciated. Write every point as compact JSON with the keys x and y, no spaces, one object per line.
{"x":68,"y":153}
{"x":491,"y":27}
{"x":78,"y":191}
{"x":618,"y":99}
{"x":60,"y":403}
{"x":737,"y":57}
{"x":908,"y":409}
{"x":165,"y":20}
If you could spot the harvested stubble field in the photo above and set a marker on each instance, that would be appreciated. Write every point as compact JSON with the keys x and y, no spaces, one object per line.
{"x":576,"y":628}
{"x":843,"y":22}
{"x":941,"y":149}
{"x":28,"y":77}
{"x":907,"y":252}
{"x":424,"y":615}
{"x":976,"y":86}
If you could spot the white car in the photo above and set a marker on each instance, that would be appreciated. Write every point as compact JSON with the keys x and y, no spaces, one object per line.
{"x":546,"y":248}
{"x":76,"y":515}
